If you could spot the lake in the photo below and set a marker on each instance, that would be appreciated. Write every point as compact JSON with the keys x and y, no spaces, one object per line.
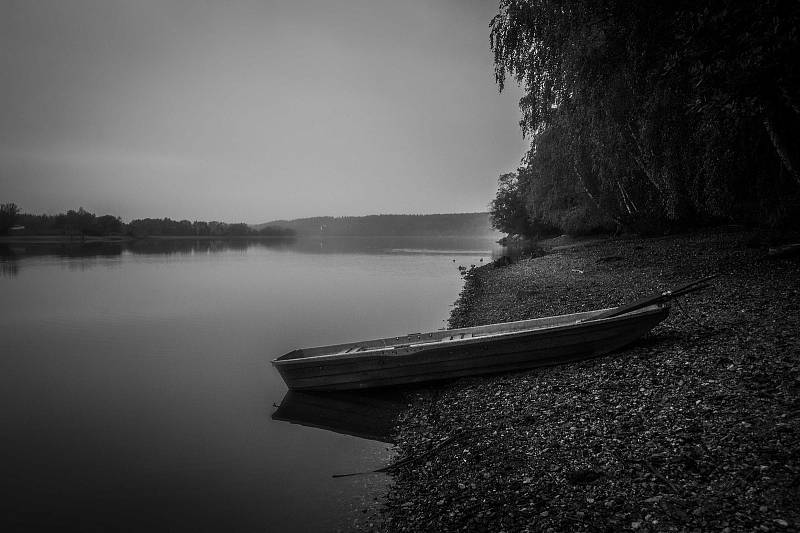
{"x":136,"y":391}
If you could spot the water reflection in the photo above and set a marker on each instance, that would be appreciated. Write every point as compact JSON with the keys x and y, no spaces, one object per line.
{"x":141,"y":246}
{"x":395,"y":245}
{"x":12,"y":253}
{"x":329,"y":245}
{"x":8,"y":268}
{"x":202,"y":246}
{"x":134,"y":383}
{"x":369,"y":415}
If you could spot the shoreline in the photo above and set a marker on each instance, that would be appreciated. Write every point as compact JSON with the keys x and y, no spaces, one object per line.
{"x":695,"y":427}
{"x":67,"y":239}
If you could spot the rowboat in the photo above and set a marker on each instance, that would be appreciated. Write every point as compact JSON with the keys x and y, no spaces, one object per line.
{"x":493,"y":348}
{"x":463,"y":352}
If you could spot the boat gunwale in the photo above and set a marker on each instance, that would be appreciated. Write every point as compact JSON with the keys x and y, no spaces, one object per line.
{"x":418,"y":347}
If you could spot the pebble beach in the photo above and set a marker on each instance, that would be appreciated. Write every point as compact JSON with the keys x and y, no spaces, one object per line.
{"x":696,"y":427}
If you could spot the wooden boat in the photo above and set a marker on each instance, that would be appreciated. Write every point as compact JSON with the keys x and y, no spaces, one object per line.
{"x":463,"y":352}
{"x":487,"y":349}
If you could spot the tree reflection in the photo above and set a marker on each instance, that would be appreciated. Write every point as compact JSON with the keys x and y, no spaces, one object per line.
{"x":8,"y":268}
{"x":8,"y":262}
{"x":12,"y":253}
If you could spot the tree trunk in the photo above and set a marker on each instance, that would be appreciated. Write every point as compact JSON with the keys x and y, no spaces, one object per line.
{"x":786,"y":146}
{"x":790,"y":100}
{"x":639,"y":156}
{"x":585,"y":185}
{"x":592,"y":196}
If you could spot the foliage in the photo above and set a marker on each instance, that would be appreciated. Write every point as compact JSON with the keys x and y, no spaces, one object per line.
{"x":507,"y":210}
{"x":174,"y":228}
{"x":8,"y":217}
{"x":276,"y":231}
{"x":437,"y":225}
{"x":554,"y":197}
{"x":654,"y":114}
{"x":80,"y":222}
{"x":84,"y":223}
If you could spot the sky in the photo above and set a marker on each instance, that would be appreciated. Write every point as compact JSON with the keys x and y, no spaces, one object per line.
{"x":252,"y":110}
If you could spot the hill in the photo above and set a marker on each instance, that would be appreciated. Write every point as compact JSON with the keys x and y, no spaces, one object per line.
{"x":444,"y":225}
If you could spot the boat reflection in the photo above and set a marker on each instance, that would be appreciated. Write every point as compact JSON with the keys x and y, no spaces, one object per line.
{"x":368,"y":415}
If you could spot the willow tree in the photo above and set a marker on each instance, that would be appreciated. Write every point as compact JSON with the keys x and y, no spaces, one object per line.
{"x":664,"y":111}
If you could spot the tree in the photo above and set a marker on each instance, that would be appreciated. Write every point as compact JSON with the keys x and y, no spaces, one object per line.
{"x":81,"y":221}
{"x":554,"y":197}
{"x":507,"y":211}
{"x":577,"y":62}
{"x":678,"y":112}
{"x":742,"y":59}
{"x":108,"y":224}
{"x":8,"y":217}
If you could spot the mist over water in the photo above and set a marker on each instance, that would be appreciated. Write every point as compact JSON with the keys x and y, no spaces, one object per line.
{"x":135,"y":384}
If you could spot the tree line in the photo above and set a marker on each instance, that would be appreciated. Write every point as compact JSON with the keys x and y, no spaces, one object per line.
{"x":437,"y":225}
{"x":84,"y":223}
{"x":650,"y":115}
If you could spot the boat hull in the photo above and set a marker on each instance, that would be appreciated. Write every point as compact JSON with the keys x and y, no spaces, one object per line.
{"x":518,"y":350}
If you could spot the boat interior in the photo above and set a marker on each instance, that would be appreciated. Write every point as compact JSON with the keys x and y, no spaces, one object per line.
{"x":415,"y":340}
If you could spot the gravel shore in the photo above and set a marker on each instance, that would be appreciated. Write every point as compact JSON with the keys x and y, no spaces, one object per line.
{"x":694,"y":428}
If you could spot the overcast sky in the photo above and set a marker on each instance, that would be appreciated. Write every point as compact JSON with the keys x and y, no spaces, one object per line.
{"x":251,"y":110}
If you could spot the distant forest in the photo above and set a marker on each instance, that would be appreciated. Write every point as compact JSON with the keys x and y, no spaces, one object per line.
{"x":651,"y":116}
{"x":84,"y":223}
{"x":450,"y":225}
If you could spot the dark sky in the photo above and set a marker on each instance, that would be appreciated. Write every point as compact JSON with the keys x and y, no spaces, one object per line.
{"x":251,"y":110}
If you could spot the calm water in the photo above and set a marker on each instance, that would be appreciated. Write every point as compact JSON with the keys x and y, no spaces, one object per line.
{"x":135,"y":385}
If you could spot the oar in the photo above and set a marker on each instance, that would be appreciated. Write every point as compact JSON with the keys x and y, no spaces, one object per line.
{"x":693,"y":286}
{"x":690,"y":284}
